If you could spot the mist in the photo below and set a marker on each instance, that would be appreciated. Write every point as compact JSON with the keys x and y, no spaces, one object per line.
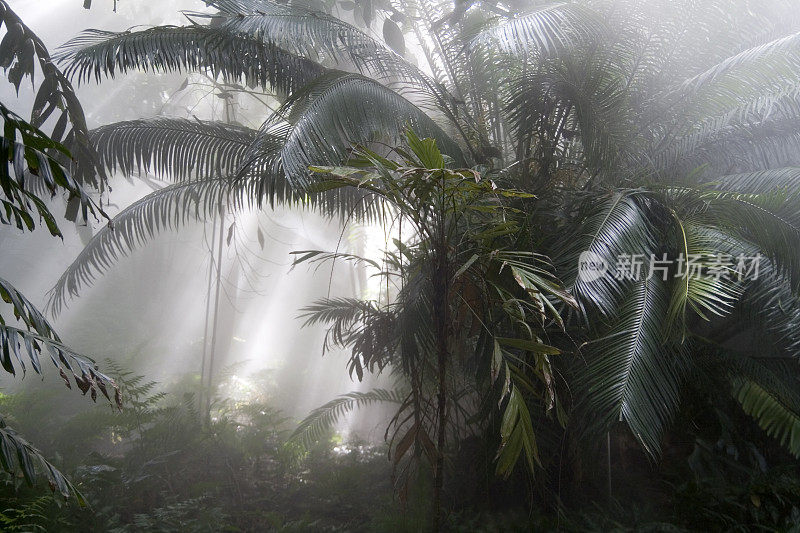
{"x":378,"y":265}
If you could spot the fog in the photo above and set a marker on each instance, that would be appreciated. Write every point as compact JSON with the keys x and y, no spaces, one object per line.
{"x":148,"y":312}
{"x":399,"y":265}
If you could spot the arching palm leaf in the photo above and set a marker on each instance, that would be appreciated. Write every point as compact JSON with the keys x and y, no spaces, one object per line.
{"x":615,"y":225}
{"x":161,"y":210}
{"x":191,"y":48}
{"x":774,"y":417}
{"x":176,"y":149}
{"x":352,"y":110}
{"x":700,"y":246}
{"x":544,"y":31}
{"x":323,"y":418}
{"x":310,"y":33}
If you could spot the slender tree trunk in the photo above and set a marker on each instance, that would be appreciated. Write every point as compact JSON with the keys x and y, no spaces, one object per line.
{"x":201,"y":402}
{"x":210,"y":390}
{"x":441,"y":295}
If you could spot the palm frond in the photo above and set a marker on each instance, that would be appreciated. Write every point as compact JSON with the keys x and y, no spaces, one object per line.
{"x":517,"y":437}
{"x":631,"y":375}
{"x":342,"y":311}
{"x":777,"y":56}
{"x":783,"y":180}
{"x":173,"y":148}
{"x":164,"y":209}
{"x":369,"y":331}
{"x":24,"y":310}
{"x":774,"y":417}
{"x":615,"y":225}
{"x":770,"y":303}
{"x":703,"y":290}
{"x":21,"y":49}
{"x":738,"y":147}
{"x":323,"y":418}
{"x":234,"y":56}
{"x":18,"y":456}
{"x":353,"y":110}
{"x":310,"y":34}
{"x":544,"y":31}
{"x":28,"y":151}
{"x":16,"y":345}
{"x":771,"y":222}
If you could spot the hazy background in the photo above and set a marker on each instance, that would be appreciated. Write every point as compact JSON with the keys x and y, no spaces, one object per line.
{"x":147,"y":312}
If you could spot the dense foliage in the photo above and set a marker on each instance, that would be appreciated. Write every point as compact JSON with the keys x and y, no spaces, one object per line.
{"x":655,"y":142}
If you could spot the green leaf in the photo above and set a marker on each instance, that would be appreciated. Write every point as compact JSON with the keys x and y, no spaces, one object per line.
{"x":529,"y":345}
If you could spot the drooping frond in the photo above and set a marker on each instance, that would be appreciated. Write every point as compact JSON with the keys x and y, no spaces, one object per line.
{"x":311,"y":34}
{"x":28,"y":152}
{"x":353,"y":110}
{"x":369,"y":331}
{"x":24,"y":310}
{"x":774,"y":417}
{"x":173,"y":148}
{"x":778,"y":55}
{"x":516,"y":434}
{"x":18,"y":456}
{"x":17,"y":345}
{"x":781,"y":180}
{"x":161,"y":210}
{"x":631,"y":375}
{"x":771,"y":222}
{"x":323,"y":418}
{"x":544,"y":31}
{"x":756,"y":87}
{"x":770,"y":302}
{"x":21,"y":49}
{"x":232,"y":55}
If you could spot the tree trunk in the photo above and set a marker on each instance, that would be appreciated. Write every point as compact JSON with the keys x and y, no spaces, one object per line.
{"x":441,"y":294}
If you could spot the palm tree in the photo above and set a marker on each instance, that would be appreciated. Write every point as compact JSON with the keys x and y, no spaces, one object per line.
{"x":661,"y":130}
{"x":461,"y":286}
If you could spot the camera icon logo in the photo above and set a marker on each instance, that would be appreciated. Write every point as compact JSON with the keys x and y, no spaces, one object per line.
{"x":591,"y":267}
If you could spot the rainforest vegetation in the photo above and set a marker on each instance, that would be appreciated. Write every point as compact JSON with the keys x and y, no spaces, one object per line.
{"x":400,"y":265}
